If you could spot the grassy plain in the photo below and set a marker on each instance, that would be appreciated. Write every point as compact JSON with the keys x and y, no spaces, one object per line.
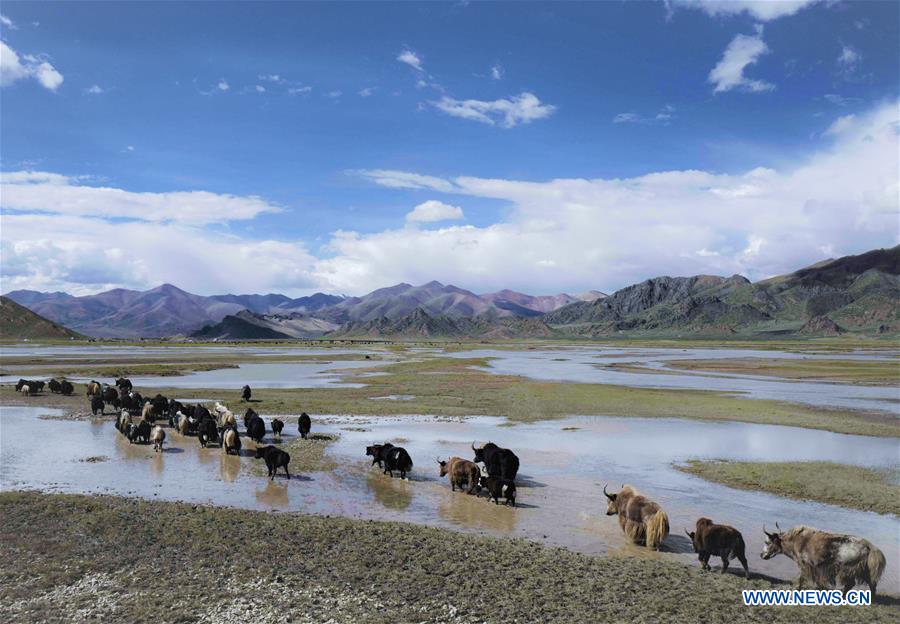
{"x":825,"y":482}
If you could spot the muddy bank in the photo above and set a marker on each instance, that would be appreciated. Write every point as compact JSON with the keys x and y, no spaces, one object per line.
{"x":170,"y":562}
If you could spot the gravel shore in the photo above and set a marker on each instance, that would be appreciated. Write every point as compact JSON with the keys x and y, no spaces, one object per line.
{"x":68,"y":558}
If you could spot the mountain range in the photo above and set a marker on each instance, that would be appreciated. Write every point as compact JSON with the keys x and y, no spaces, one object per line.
{"x":168,"y":311}
{"x":854,"y":293}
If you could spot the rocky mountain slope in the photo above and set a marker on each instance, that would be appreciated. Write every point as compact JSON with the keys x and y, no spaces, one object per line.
{"x":853,"y":293}
{"x":420,"y":324}
{"x":18,"y":322}
{"x":247,"y":325}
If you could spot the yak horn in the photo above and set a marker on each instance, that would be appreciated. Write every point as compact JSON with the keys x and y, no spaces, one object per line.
{"x":473,"y":446}
{"x":777,"y":527}
{"x":607,"y":494}
{"x":766,"y":532}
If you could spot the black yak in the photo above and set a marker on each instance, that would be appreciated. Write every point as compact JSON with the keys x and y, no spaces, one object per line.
{"x":499,"y":462}
{"x":304,"y":424}
{"x":500,"y":488}
{"x":256,"y":429}
{"x":275,"y":458}
{"x":277,"y":426}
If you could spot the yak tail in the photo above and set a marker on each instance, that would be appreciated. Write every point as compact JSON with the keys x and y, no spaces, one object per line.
{"x":875,"y":562}
{"x":657,"y":529}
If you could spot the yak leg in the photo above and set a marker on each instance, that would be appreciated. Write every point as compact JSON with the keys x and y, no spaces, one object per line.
{"x":286,"y":471}
{"x":724,"y":564}
{"x":847,"y":586}
{"x":743,"y":561}
{"x":704,"y":561}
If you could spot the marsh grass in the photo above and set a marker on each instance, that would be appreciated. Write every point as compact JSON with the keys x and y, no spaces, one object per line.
{"x":855,"y":487}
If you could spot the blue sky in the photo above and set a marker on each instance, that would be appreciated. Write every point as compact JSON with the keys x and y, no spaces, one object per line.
{"x":548,"y":147}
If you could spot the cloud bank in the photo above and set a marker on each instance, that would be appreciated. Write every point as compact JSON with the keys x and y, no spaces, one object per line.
{"x":566,"y":234}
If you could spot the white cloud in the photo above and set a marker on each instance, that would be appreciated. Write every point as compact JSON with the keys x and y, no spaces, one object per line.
{"x":405,"y":180}
{"x":85,"y":255}
{"x":848,"y":61}
{"x":334,"y":94}
{"x":367,"y":92}
{"x":841,"y":125}
{"x":274,"y":78}
{"x":13,"y":68}
{"x":412,"y":59}
{"x":762,"y":10}
{"x":433,"y":210}
{"x":555,"y":235}
{"x":497,"y":72}
{"x":260,"y":89}
{"x":743,"y":50}
{"x":607,"y":233}
{"x":299,"y":90}
{"x":94,"y":90}
{"x":30,"y":191}
{"x":663,"y":117}
{"x":840,"y":100}
{"x":8,"y":22}
{"x":506,"y":112}
{"x":223,"y":85}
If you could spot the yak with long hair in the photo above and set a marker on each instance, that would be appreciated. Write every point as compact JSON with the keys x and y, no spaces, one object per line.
{"x":827,"y":560}
{"x":642,"y":520}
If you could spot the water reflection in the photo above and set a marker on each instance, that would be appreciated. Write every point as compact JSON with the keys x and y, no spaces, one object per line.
{"x":229,"y":467}
{"x":390,"y":493}
{"x":273,"y":495}
{"x":476,"y":512}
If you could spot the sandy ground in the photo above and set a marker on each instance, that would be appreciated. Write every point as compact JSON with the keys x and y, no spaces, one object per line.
{"x":106,"y":559}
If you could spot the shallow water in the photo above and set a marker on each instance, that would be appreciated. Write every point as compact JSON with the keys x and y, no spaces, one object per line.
{"x":585,"y":365}
{"x":131,"y":351}
{"x":262,"y":375}
{"x":560,"y":497}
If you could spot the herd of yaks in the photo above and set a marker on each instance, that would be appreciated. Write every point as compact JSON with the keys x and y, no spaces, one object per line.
{"x":826,"y":560}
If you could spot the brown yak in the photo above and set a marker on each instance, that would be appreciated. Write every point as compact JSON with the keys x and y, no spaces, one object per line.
{"x":642,"y":520}
{"x":94,"y":389}
{"x":718,"y":540}
{"x":827,"y":560}
{"x":461,"y":471}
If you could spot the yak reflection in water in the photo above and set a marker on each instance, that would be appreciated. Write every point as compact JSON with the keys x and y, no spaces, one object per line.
{"x":392,"y":493}
{"x":274,"y":495}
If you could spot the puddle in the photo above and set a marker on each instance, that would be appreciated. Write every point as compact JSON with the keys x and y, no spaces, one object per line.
{"x":581,"y":366}
{"x":394,"y":397}
{"x":559,"y":486}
